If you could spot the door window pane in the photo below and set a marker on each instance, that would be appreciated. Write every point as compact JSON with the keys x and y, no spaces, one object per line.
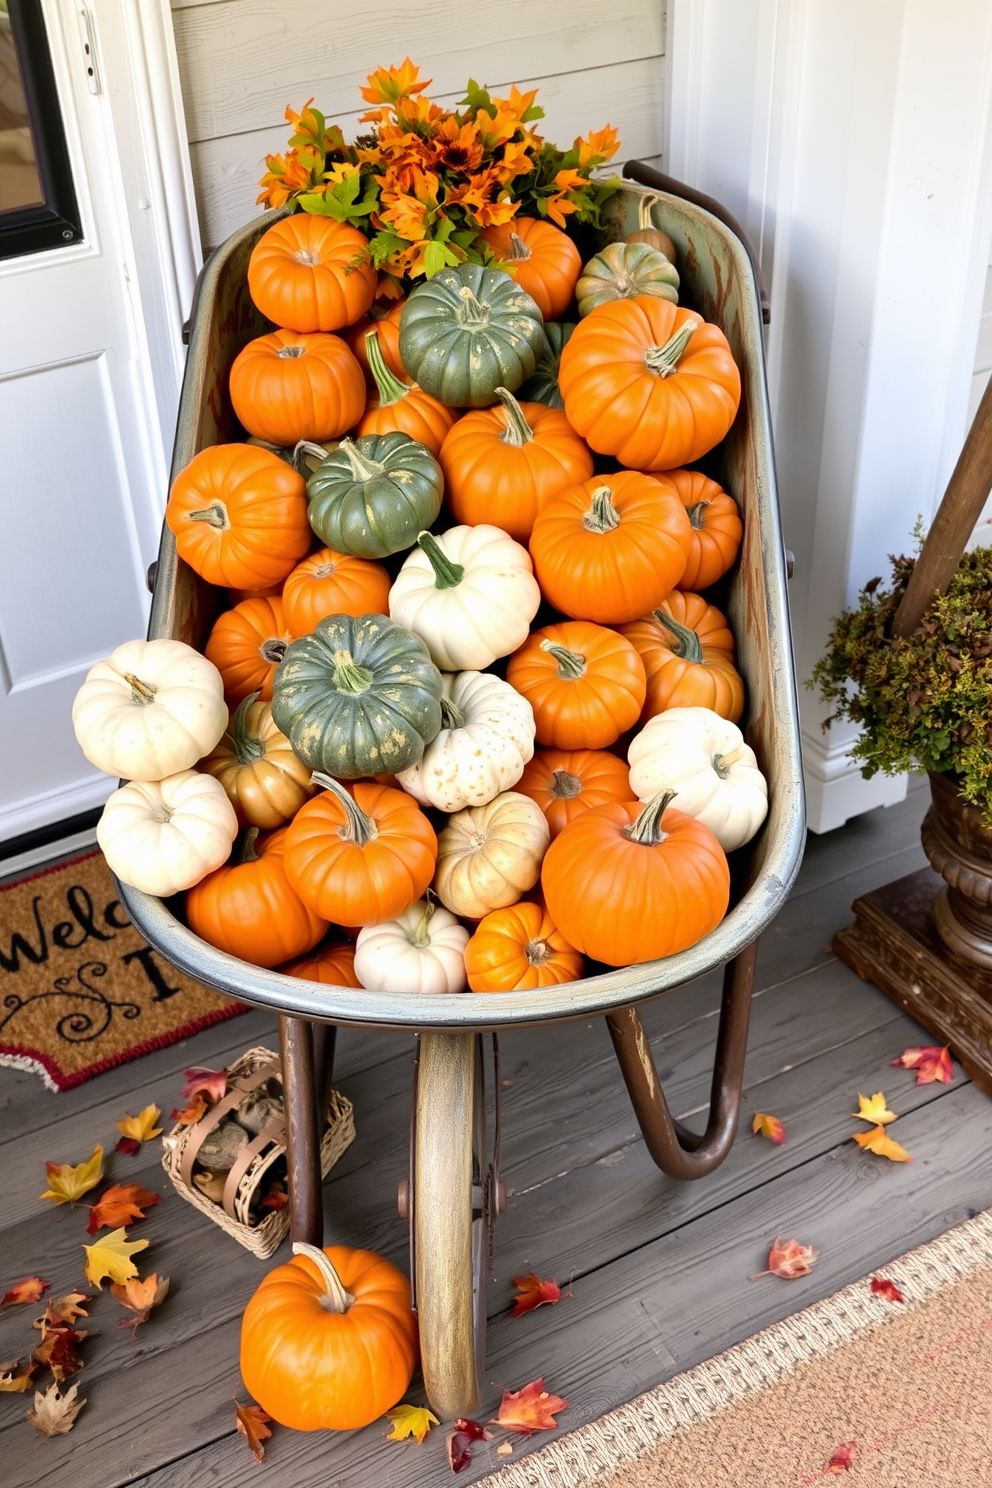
{"x":20,"y":185}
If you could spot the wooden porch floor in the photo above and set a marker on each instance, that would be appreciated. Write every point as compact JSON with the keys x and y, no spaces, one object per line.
{"x":660,"y":1270}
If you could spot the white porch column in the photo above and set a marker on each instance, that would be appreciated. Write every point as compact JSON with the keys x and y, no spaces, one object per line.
{"x":854,"y":142}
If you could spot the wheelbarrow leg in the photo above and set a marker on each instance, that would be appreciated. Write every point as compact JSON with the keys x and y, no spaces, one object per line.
{"x":678,"y":1151}
{"x":306,"y":1214}
{"x":324,"y":1041}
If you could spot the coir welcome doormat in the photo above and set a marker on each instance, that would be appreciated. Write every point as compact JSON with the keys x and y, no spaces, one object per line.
{"x":80,"y":990}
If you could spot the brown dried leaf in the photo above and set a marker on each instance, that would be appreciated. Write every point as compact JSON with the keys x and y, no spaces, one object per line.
{"x":55,"y":1414}
{"x":251,"y":1421}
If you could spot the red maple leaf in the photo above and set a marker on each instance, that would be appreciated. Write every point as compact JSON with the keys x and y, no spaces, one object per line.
{"x":28,"y":1290}
{"x":128,"y":1145}
{"x":533,"y":1291}
{"x":529,"y":1409}
{"x":931,"y":1063}
{"x":886,"y":1289}
{"x":789,"y":1259}
{"x":191,"y":1113}
{"x":212,"y":1082}
{"x":843,"y":1458}
{"x":120,"y":1204}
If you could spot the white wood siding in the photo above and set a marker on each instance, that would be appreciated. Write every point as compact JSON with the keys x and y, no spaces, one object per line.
{"x":242,"y":61}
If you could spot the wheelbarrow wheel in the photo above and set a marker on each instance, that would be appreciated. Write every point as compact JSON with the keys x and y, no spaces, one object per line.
{"x":450,"y":1222}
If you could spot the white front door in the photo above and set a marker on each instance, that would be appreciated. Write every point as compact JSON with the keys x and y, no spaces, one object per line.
{"x":83,"y":450}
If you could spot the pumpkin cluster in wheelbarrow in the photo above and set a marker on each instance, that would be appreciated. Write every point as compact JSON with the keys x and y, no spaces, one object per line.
{"x":471,"y":717}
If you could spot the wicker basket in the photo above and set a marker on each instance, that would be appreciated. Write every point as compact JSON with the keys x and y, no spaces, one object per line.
{"x":233,"y":1215}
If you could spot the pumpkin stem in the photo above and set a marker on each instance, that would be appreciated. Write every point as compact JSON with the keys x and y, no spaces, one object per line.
{"x":421,"y":936}
{"x":391,"y":390}
{"x":358,"y":827}
{"x":571,"y":664}
{"x":471,"y":312}
{"x":645,"y":208}
{"x":518,"y":248}
{"x":362,"y":468}
{"x":647,"y":828}
{"x":247,"y":747}
{"x":290,"y":351}
{"x":302,"y":447}
{"x":565,"y":787}
{"x":245,"y":850}
{"x":602,"y":515}
{"x":141,"y":692}
{"x":348,"y":675}
{"x":446,"y":573}
{"x":273,"y":650}
{"x":664,"y":360}
{"x":686,"y":643}
{"x":452,"y":717}
{"x":723,"y":762}
{"x":336,"y":1298}
{"x":537,"y":952}
{"x":517,"y":431}
{"x":697,"y":514}
{"x":215,"y":514}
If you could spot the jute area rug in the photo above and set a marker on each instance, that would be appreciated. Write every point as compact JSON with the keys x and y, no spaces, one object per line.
{"x":80,"y":990}
{"x":887,"y":1394}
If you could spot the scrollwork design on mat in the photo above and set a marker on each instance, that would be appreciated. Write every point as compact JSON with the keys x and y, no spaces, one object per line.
{"x":81,"y":1024}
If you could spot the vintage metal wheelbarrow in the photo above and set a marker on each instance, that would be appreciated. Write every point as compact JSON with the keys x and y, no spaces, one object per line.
{"x":454,"y":1191}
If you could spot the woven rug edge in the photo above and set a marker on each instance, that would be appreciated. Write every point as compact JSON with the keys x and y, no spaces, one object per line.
{"x":624,"y":1434}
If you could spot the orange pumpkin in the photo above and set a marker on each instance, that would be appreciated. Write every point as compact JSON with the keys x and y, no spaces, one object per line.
{"x":248,"y":908}
{"x":519,"y":948}
{"x":403,"y":406}
{"x":648,"y":382}
{"x":361,"y":858}
{"x":330,"y":583}
{"x":239,"y":515}
{"x":564,"y":783}
{"x":332,"y":963}
{"x":716,"y":528}
{"x":311,"y":273}
{"x":502,"y":464}
{"x":612,"y":548}
{"x":247,"y":644}
{"x":543,"y":260}
{"x":687,"y":649}
{"x":328,"y":1341}
{"x":586,"y":684}
{"x":633,"y":883}
{"x":383,"y":318}
{"x":289,"y":386}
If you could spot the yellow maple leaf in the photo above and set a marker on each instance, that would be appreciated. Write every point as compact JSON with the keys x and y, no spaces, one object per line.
{"x":66,"y":1184}
{"x":873,"y":1108}
{"x":410,"y":1420}
{"x":882,"y":1145}
{"x":141,"y":1128}
{"x":111,"y":1256}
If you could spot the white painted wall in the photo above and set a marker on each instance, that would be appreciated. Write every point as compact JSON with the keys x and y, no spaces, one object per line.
{"x":243,"y":61}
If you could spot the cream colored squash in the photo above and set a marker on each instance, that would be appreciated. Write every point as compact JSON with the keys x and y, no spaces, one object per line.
{"x":470,"y":593}
{"x":151,"y":709}
{"x":421,"y":951}
{"x":486,"y":739}
{"x":704,"y":759}
{"x":161,"y":836}
{"x":488,"y":856}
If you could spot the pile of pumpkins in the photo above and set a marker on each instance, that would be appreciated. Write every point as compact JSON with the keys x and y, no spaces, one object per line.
{"x":466,"y":665}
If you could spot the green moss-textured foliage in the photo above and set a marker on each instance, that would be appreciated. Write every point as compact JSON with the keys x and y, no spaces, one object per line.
{"x":925,"y":701}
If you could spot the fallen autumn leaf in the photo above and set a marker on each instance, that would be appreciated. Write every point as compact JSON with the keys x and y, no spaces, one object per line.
{"x":66,"y":1183}
{"x":120,"y":1204}
{"x":29,"y":1290}
{"x":410,"y":1420}
{"x":533,"y":1291}
{"x":212,"y":1082}
{"x":55,"y":1414}
{"x":768,"y":1126}
{"x":140,"y":1297}
{"x":872,"y":1108}
{"x":887,"y":1290}
{"x":140,"y":1128}
{"x":529,"y":1409}
{"x":110,"y":1256}
{"x":252,"y":1421}
{"x":789,"y":1259}
{"x":12,"y":1383}
{"x":879,"y":1142}
{"x":931,"y":1063}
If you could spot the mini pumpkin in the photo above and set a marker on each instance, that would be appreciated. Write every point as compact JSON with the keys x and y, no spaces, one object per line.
{"x":585,"y":683}
{"x":310,"y":273}
{"x":254,"y":762}
{"x":687,"y":649}
{"x":288,"y":386}
{"x":246,"y":646}
{"x":486,"y":739}
{"x":716,"y":528}
{"x":566,"y":782}
{"x":383,"y":318}
{"x":519,"y":948}
{"x":403,"y":407}
{"x":422,"y":950}
{"x":620,"y":271}
{"x":164,"y":836}
{"x":372,"y":496}
{"x":488,"y":856}
{"x":249,"y":909}
{"x":542,"y":259}
{"x":332,"y":963}
{"x":330,"y":583}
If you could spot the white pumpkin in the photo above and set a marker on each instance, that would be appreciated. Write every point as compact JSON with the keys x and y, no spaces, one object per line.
{"x":161,"y":836}
{"x":487,"y":856}
{"x":486,"y":739}
{"x":421,"y":951}
{"x":470,"y":593}
{"x":151,"y":709}
{"x":703,"y":758}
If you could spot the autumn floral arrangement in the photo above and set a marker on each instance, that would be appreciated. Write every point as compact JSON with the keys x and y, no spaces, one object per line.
{"x":924,"y":701}
{"x":424,"y":181}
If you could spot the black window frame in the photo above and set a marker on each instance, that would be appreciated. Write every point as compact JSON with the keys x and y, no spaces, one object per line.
{"x":54,"y":222}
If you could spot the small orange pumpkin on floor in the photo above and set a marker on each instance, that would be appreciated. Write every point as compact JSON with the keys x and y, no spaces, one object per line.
{"x":328,"y":1341}
{"x":586,"y":684}
{"x":519,"y":948}
{"x":246,"y":646}
{"x":566,"y":782}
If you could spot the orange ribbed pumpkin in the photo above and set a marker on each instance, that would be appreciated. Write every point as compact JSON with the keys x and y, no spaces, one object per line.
{"x":328,"y":1341}
{"x":311,"y":274}
{"x":502,"y":465}
{"x":247,"y":644}
{"x":332,"y":963}
{"x":543,"y":260}
{"x":249,"y":908}
{"x":289,"y":386}
{"x":239,"y":515}
{"x":633,"y":883}
{"x":716,"y":528}
{"x":566,"y":782}
{"x":330,"y":583}
{"x":586,"y":684}
{"x":519,"y":948}
{"x":383,"y":318}
{"x":403,"y":407}
{"x":648,"y":382}
{"x":687,"y":649}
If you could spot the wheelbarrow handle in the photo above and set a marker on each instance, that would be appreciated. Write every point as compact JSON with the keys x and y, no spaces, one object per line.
{"x":646,"y":175}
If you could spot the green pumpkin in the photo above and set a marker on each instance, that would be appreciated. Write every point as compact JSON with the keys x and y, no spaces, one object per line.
{"x":371,"y":496}
{"x":622,"y":270}
{"x":543,"y":386}
{"x":468,"y":331}
{"x":359,"y":696}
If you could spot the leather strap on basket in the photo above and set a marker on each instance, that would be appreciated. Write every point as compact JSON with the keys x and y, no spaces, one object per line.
{"x":273,"y":1134}
{"x":202,"y":1128}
